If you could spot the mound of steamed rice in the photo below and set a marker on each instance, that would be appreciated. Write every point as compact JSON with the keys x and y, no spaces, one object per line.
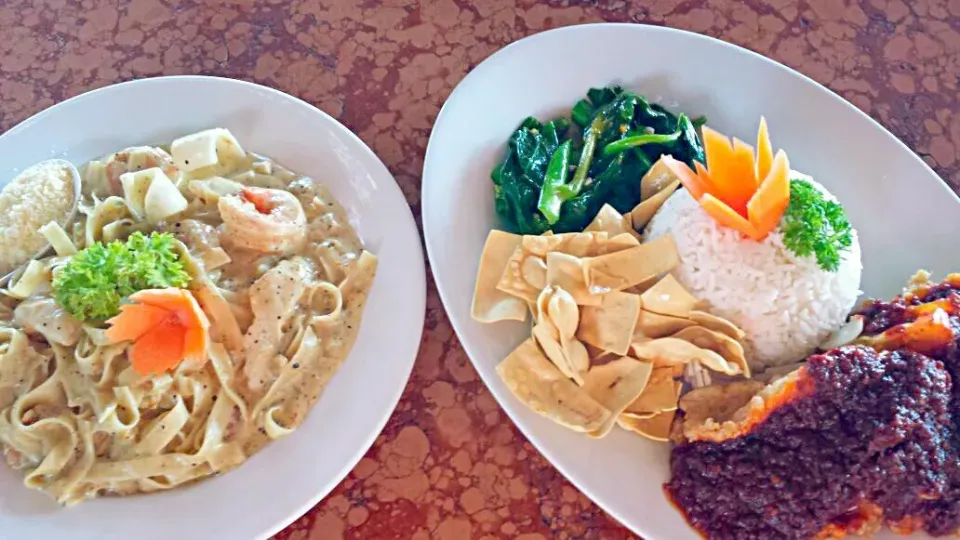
{"x":785,"y":304}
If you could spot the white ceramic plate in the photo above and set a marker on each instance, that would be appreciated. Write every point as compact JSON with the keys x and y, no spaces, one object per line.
{"x":289,"y":476}
{"x":906,"y":216}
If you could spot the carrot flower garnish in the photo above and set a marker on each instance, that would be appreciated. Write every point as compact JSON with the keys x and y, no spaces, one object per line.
{"x":740,"y":191}
{"x":166,"y":326}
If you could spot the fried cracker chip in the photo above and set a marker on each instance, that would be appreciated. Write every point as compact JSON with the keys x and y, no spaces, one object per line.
{"x":615,"y":386}
{"x":623,"y":269}
{"x":707,"y":409}
{"x":657,"y":180}
{"x":717,"y":324}
{"x":722,"y":344}
{"x":567,"y":272}
{"x":610,"y":221}
{"x":660,"y":395}
{"x":643,"y":212}
{"x":668,"y":297}
{"x":489,"y":303}
{"x":582,"y":244}
{"x":610,"y":325}
{"x":522,"y":275}
{"x":656,"y":428}
{"x":652,"y":325}
{"x":538,"y":384}
{"x":671,"y":351}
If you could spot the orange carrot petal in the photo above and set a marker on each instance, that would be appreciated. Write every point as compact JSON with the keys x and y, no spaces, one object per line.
{"x":729,"y":185}
{"x":764,"y":151}
{"x":160,"y":349}
{"x":170,"y":298}
{"x":728,"y":217}
{"x":134,"y":321}
{"x":771,"y":200}
{"x":687,"y":177}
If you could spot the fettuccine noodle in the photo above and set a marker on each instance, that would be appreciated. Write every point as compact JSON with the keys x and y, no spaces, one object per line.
{"x":284,"y":300}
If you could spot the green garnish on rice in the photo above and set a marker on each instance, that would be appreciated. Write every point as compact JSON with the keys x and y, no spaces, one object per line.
{"x":815,"y":225}
{"x":95,"y":280}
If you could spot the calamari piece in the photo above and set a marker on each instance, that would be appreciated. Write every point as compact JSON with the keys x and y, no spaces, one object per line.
{"x":616,"y":385}
{"x":490,"y":304}
{"x":539,"y":385}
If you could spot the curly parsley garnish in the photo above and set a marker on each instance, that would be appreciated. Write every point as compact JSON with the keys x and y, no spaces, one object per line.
{"x":814,"y":225}
{"x":95,"y":280}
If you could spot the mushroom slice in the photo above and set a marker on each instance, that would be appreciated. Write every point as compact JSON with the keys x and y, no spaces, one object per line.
{"x":489,"y":303}
{"x":668,"y":297}
{"x":656,"y":428}
{"x":610,"y":325}
{"x":671,"y":351}
{"x":539,"y":385}
{"x":722,"y":344}
{"x":717,"y":324}
{"x":644,"y":212}
{"x":615,"y":386}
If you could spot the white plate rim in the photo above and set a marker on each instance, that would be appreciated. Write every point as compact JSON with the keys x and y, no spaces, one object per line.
{"x":409,"y":222}
{"x":487,"y":64}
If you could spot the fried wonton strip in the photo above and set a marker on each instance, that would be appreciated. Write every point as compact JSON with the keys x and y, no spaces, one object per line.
{"x":668,"y":297}
{"x":656,"y":427}
{"x":489,"y":303}
{"x":610,"y":221}
{"x":539,"y":385}
{"x":623,"y":269}
{"x":610,"y":325}
{"x":660,"y":394}
{"x":616,"y":385}
{"x":567,"y":272}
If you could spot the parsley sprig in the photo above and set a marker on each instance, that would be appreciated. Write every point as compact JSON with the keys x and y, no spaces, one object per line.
{"x":814,"y":225}
{"x":95,"y":280}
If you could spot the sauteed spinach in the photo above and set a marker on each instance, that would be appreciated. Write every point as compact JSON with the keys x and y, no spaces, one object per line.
{"x":557,"y":175}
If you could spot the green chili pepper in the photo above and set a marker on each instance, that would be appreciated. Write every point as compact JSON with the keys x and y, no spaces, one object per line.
{"x":556,"y":178}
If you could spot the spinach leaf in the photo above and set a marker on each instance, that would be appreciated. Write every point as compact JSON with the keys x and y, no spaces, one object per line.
{"x":619,"y":137}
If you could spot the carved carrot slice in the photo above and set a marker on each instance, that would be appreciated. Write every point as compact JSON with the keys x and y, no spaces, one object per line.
{"x":166,"y":326}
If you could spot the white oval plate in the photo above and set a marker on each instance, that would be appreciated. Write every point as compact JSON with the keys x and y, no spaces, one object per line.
{"x":890,"y":194}
{"x":288,"y":477}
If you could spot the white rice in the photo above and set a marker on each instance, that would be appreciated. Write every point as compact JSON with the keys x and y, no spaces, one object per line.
{"x":785,"y":304}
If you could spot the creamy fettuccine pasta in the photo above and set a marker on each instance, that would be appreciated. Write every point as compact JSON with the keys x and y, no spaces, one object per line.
{"x":280,"y":276}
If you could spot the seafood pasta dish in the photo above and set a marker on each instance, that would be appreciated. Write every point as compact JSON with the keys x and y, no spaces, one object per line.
{"x":193,"y":309}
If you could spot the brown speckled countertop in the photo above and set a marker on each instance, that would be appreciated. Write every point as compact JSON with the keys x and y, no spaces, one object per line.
{"x":449,"y":464}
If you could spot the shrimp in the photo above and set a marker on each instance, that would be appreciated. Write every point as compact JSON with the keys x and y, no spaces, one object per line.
{"x":264,"y":220}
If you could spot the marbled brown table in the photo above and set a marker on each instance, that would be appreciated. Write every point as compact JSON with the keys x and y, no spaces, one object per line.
{"x":450,"y":465}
